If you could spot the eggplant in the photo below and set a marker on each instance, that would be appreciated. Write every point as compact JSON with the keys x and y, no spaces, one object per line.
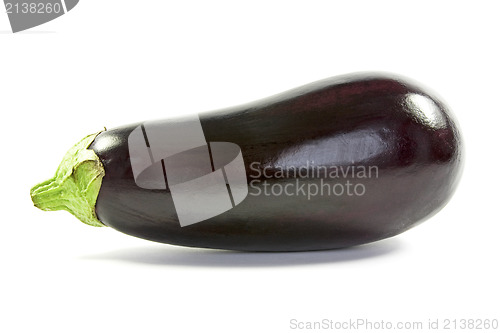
{"x":339,"y":162}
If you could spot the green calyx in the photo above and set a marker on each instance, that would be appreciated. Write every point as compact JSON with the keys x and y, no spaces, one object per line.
{"x":75,"y":186}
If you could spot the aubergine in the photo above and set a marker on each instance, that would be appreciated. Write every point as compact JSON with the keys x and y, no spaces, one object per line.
{"x":340,"y":162}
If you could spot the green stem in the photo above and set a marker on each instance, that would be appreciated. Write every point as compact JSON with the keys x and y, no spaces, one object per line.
{"x":75,"y":186}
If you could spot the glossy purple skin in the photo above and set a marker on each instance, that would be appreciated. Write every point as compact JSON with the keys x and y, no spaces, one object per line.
{"x":359,"y":120}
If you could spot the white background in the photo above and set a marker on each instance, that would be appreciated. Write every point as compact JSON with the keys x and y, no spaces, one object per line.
{"x":109,"y":63}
